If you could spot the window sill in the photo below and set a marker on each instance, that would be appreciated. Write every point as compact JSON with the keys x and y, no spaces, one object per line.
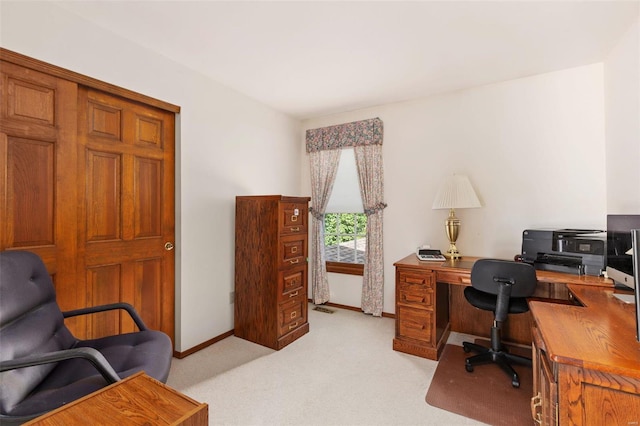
{"x":345,"y":268}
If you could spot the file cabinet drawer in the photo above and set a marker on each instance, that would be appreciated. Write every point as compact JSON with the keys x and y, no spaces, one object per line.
{"x":292,"y":314}
{"x":293,"y":218}
{"x":293,"y":251}
{"x":291,"y":282}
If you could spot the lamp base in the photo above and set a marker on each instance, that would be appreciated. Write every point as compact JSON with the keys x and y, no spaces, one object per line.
{"x":453,"y":253}
{"x":452,"y":226}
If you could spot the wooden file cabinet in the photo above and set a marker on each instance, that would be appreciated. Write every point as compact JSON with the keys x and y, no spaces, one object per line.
{"x":271,"y":269}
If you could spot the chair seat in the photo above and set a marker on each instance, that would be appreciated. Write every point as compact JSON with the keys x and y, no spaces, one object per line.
{"x":487,"y":301}
{"x":75,"y":378}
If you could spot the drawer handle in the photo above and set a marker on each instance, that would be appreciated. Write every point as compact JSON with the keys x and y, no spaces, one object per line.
{"x":294,"y":249}
{"x":415,"y":280}
{"x":296,"y":229}
{"x":293,"y":314}
{"x":536,"y":401}
{"x":294,"y":218}
{"x":294,"y":294}
{"x":294,"y":261}
{"x":294,"y":325}
{"x":413,"y":299}
{"x":415,"y":325}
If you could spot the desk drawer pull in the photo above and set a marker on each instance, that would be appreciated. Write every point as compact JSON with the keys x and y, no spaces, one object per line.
{"x":409,"y":298}
{"x":415,"y":325}
{"x":296,"y":229}
{"x":294,"y":325}
{"x":294,"y":294}
{"x":294,"y":261}
{"x":415,"y":280}
{"x":536,"y":402}
{"x":293,"y":314}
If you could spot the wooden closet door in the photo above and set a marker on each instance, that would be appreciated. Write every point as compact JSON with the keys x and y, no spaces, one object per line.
{"x":38,"y":208}
{"x":126,"y":200}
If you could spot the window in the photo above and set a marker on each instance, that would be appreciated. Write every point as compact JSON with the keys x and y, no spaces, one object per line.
{"x":345,"y":237}
{"x":345,"y":224}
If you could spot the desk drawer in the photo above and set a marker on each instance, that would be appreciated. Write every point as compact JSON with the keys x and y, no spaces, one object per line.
{"x":416,"y":278}
{"x":415,"y":324}
{"x":453,"y":278}
{"x":420,"y":296}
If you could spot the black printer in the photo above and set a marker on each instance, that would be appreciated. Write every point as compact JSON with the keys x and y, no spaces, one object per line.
{"x":573,"y":251}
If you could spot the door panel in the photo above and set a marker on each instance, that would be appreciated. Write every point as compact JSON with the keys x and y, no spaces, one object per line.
{"x":38,"y":200}
{"x":87,"y":183}
{"x":128,"y":204}
{"x":30,"y":192}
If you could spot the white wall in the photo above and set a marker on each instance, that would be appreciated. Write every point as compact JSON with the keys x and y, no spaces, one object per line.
{"x":533,"y":148}
{"x":228,"y":145}
{"x":622,"y":100}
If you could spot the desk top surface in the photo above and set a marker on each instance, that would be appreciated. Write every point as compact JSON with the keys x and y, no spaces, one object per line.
{"x":600,"y":335}
{"x":463,"y":267}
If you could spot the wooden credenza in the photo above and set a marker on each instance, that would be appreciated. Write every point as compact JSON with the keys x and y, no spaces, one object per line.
{"x":271,"y":269}
{"x":136,"y":400}
{"x":586,"y":361}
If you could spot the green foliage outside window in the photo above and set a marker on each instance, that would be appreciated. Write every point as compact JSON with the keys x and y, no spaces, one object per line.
{"x":341,"y":228}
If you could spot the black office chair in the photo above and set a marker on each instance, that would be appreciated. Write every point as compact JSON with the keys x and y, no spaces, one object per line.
{"x":500,"y":286}
{"x":42,"y":365}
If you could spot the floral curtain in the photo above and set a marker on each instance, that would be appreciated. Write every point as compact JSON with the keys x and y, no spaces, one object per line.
{"x":324,"y":167}
{"x":370,"y":175}
{"x":324,"y":145}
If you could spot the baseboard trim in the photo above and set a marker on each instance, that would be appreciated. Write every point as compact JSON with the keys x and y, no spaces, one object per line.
{"x":202,"y":345}
{"x":216,"y":339}
{"x":352,"y":308}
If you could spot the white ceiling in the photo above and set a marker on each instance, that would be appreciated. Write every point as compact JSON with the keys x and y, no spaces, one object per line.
{"x":312,"y":58}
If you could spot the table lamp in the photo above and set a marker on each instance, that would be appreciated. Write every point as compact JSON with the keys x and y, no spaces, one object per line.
{"x":455,"y":192}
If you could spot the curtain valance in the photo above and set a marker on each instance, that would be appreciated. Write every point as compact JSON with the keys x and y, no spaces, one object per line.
{"x":356,"y":133}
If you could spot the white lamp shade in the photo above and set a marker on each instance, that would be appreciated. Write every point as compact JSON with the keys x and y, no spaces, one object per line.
{"x":456,"y":192}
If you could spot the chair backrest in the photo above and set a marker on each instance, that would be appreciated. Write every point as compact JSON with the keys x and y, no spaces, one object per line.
{"x":486,"y":275}
{"x":30,"y":322}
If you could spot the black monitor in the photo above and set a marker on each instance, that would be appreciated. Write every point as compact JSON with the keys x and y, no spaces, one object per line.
{"x":619,"y":249}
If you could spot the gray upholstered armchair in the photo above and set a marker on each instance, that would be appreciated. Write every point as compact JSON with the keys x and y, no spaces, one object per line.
{"x":42,"y":365}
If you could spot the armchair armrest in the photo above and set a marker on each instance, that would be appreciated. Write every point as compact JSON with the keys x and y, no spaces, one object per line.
{"x":112,"y":306}
{"x":90,"y":354}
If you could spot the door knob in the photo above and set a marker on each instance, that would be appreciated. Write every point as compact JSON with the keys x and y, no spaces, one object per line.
{"x":168,"y":246}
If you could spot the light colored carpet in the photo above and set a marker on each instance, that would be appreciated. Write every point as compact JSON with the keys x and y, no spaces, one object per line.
{"x":343,"y":372}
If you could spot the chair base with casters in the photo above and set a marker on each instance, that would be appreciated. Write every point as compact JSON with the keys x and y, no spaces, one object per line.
{"x":42,"y":365}
{"x":497,"y":354}
{"x":501,"y":287}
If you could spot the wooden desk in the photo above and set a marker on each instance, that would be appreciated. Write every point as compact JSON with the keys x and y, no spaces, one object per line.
{"x":136,"y":400}
{"x":586,"y":361}
{"x":428,"y":307}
